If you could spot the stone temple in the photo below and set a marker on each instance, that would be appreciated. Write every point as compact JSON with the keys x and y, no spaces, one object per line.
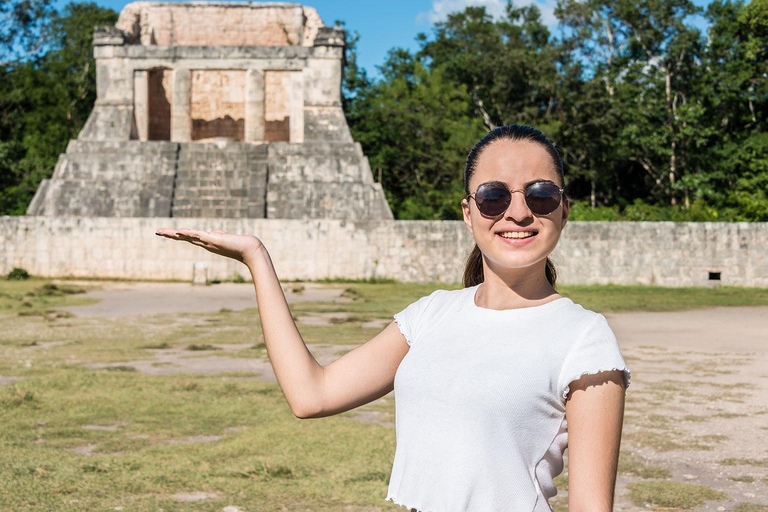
{"x":218,"y":110}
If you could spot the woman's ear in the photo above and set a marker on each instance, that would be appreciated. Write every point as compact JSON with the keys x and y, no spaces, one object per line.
{"x":566,"y":209}
{"x":465,"y":213}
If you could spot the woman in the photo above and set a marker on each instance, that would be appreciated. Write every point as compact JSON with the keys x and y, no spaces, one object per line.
{"x":492,"y":381}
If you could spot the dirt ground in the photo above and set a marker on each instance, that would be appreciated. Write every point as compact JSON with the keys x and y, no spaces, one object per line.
{"x":697,"y":405}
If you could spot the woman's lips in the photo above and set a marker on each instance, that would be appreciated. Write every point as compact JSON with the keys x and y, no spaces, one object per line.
{"x":518,"y":242}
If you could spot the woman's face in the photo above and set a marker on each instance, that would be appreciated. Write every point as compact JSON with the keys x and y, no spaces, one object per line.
{"x":516,"y":164}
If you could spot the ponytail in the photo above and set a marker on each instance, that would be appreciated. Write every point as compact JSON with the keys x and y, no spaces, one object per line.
{"x":473,"y":270}
{"x":551,"y":273}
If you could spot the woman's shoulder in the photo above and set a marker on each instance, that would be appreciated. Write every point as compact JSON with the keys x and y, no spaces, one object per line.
{"x":577,"y":317}
{"x":442,"y":296}
{"x":439,"y":301}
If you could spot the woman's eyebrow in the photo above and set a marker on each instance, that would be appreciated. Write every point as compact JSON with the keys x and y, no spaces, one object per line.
{"x":540,"y":180}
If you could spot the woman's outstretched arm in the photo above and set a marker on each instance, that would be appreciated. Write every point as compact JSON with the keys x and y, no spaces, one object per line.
{"x":595,"y":414}
{"x":360,"y":376}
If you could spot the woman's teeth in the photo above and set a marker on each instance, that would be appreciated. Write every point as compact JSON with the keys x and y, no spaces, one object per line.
{"x":517,"y":234}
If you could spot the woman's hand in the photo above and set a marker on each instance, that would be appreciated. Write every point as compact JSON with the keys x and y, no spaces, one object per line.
{"x":238,"y":247}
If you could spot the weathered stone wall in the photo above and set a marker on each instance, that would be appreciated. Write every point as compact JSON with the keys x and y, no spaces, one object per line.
{"x":277,"y":106}
{"x":217,"y":104}
{"x":110,"y":179}
{"x":223,"y":179}
{"x":219,"y":24}
{"x":661,"y":253}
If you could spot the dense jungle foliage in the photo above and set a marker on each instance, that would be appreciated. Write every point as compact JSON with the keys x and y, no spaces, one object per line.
{"x":656,"y":118}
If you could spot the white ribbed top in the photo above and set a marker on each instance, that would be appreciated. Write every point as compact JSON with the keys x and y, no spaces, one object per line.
{"x":480,"y":400}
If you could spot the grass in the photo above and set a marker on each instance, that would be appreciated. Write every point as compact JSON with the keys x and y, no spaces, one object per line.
{"x":277,"y":463}
{"x":750,"y":507}
{"x":669,"y":441}
{"x":202,"y":347}
{"x":760,"y":463}
{"x":748,"y":479}
{"x":630,"y":465}
{"x":666,"y":494}
{"x":655,"y":298}
{"x":39,"y":295}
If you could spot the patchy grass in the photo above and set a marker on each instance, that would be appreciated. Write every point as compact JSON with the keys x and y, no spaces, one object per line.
{"x":654,"y":298}
{"x":630,"y":465}
{"x":748,"y":479}
{"x":665,"y":494}
{"x":202,"y":347}
{"x":560,"y":502}
{"x":279,"y":460}
{"x":750,"y":507}
{"x":760,"y":463}
{"x":158,"y":346}
{"x":670,"y":440}
{"x":39,"y":295}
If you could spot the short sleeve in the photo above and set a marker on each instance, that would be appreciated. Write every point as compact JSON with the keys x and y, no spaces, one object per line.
{"x":411,"y":318}
{"x":596,"y":350}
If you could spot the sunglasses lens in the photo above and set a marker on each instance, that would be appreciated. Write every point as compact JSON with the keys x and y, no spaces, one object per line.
{"x":543,"y":198}
{"x":492,"y":200}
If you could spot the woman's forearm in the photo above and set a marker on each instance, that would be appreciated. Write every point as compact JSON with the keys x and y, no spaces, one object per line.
{"x":298,"y":372}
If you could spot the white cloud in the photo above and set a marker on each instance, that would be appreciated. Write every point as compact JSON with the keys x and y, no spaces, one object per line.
{"x":441,"y":9}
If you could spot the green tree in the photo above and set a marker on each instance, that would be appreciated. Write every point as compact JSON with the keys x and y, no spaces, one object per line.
{"x":417,"y":128}
{"x":508,"y":66}
{"x":45,"y":103}
{"x":24,"y":29}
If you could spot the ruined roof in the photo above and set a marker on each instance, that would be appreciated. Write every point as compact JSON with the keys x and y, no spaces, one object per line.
{"x":219,"y":24}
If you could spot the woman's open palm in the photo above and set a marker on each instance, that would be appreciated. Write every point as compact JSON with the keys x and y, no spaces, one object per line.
{"x":237,"y":247}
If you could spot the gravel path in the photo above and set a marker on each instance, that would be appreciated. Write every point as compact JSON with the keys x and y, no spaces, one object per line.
{"x":133,"y":299}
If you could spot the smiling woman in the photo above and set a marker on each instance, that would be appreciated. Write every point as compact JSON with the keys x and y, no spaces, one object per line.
{"x":492,"y":382}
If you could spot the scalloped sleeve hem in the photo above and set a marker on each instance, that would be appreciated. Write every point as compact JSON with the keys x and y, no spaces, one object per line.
{"x":624,"y":369}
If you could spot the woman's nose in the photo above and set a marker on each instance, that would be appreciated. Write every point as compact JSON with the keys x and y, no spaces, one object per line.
{"x":518,"y":209}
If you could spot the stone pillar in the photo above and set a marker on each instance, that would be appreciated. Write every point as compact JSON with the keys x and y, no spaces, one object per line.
{"x":141,"y":103}
{"x":181,"y":123}
{"x":297,"y":107}
{"x":254,"y":105}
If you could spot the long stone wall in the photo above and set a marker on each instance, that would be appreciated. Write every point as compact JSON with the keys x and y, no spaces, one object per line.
{"x":661,"y":253}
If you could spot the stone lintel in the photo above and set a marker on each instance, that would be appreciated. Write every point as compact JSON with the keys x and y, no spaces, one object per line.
{"x":215,"y":52}
{"x":106,"y":35}
{"x":330,"y":36}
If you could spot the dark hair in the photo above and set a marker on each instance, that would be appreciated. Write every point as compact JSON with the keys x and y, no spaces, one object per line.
{"x":473,"y":270}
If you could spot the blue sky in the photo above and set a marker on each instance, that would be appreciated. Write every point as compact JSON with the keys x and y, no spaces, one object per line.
{"x":385,"y":24}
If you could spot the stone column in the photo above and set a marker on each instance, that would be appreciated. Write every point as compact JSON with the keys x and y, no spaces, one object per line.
{"x":181,"y":123}
{"x":297,"y":107}
{"x":141,"y":103}
{"x":254,"y":105}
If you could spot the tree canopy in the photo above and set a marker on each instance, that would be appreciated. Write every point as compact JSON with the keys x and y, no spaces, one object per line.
{"x":655,"y":118}
{"x":47,"y":90}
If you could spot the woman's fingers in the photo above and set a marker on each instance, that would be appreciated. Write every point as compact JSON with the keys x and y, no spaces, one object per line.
{"x":216,"y":241}
{"x":183,"y":233}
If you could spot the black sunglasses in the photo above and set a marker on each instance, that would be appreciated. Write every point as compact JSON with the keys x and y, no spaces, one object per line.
{"x":493,"y":198}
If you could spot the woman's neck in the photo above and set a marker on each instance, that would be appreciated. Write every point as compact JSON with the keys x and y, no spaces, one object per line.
{"x":514,"y":288}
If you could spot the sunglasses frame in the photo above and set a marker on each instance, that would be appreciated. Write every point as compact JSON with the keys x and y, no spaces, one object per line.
{"x":512,"y":191}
